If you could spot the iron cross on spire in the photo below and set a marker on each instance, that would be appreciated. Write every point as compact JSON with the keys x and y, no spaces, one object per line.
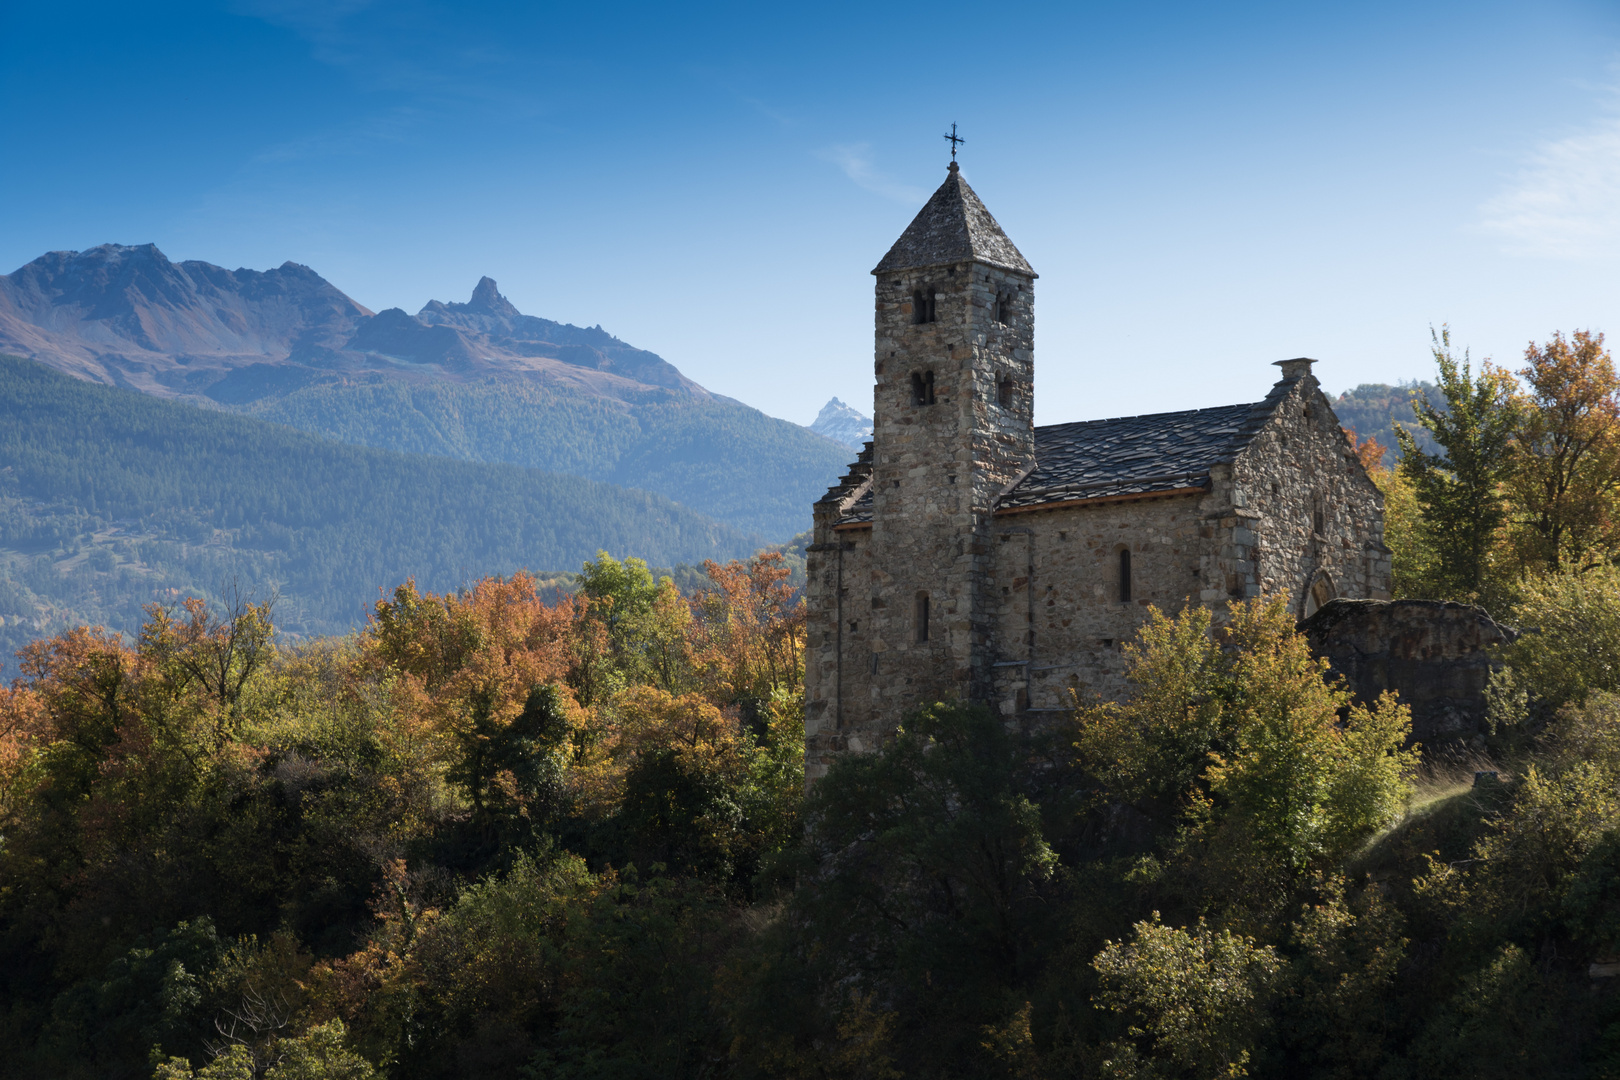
{"x":954,"y":139}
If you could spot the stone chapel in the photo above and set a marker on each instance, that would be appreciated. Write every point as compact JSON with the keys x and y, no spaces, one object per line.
{"x":971,"y":555}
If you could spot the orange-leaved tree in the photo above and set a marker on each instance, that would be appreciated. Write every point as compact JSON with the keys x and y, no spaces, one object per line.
{"x":749,"y":630}
{"x":76,"y":694}
{"x":472,"y":671}
{"x":1565,"y":486}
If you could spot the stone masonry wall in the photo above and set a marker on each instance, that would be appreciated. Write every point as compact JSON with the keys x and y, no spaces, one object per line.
{"x":1252,"y":533}
{"x":937,"y":471}
{"x":1315,"y":515}
{"x":838,"y":652}
{"x":1060,"y":623}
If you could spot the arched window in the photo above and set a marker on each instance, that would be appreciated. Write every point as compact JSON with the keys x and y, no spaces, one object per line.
{"x":1321,"y":591}
{"x":922,"y":618}
{"x":1004,"y":392}
{"x":923,"y":305}
{"x":922,"y":387}
{"x":1124,"y":575}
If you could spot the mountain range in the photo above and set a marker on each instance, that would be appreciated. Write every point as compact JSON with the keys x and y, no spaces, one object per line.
{"x":128,"y":316}
{"x":478,"y":381}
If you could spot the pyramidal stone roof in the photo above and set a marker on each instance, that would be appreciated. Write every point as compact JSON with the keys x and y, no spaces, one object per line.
{"x":953,"y":227}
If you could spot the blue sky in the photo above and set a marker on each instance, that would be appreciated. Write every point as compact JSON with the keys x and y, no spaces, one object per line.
{"x":1203,"y":188}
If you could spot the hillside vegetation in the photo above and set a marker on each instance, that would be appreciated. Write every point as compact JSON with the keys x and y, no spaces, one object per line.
{"x":1379,"y":411}
{"x":720,"y":458}
{"x":493,"y":836}
{"x":110,"y":499}
{"x":516,"y":836}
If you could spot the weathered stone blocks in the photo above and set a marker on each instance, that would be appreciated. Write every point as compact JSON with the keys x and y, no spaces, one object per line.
{"x":940,"y":569}
{"x":1436,"y":655}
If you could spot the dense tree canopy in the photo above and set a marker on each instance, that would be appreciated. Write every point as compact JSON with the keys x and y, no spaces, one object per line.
{"x":505,"y":832}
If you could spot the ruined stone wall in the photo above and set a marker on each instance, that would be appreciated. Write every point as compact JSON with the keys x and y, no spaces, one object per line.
{"x":1314,"y":518}
{"x":1436,"y":655}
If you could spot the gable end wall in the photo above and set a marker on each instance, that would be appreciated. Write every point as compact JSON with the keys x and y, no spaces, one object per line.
{"x":1298,"y":464}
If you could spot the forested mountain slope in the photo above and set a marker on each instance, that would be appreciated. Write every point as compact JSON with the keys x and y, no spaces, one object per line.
{"x":479,"y":381}
{"x":110,"y":499}
{"x":1376,"y":409}
{"x":725,"y":460}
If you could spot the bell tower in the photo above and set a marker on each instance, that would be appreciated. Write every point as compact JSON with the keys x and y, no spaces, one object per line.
{"x":953,"y":428}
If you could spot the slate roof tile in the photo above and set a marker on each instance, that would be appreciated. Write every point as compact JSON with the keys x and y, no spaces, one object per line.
{"x":953,"y":227}
{"x":1126,"y":455}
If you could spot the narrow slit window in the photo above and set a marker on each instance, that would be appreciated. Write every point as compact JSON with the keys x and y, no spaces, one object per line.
{"x":1124,"y":575}
{"x":1003,"y":309}
{"x":922,"y":388}
{"x":922,"y":618}
{"x":1004,"y":392}
{"x":1319,"y":521}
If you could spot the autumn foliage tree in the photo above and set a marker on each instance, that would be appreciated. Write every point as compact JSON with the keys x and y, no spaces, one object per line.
{"x":1526,"y":480}
{"x":1565,"y":486}
{"x":323,"y":808}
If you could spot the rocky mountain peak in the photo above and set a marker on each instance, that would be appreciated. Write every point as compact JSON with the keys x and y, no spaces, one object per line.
{"x":843,"y":424}
{"x":487,"y":300}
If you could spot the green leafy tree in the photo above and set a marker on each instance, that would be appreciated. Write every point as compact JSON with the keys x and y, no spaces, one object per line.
{"x":1196,"y":1002}
{"x":1564,"y":808}
{"x":1340,"y":1017}
{"x":321,"y":1053}
{"x":622,"y":591}
{"x":1569,"y":646}
{"x":932,"y":880}
{"x":1461,"y":488}
{"x":517,"y":768}
{"x":1234,"y":736}
{"x":1505,"y":1021}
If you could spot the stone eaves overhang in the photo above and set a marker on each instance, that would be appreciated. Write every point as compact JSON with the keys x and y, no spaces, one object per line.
{"x":860,"y":517}
{"x":1093,"y":462}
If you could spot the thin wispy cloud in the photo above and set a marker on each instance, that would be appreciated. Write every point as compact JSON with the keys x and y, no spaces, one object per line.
{"x":396,"y":126}
{"x":422,"y":50}
{"x":1565,"y":202}
{"x":321,"y":22}
{"x":855,"y":159}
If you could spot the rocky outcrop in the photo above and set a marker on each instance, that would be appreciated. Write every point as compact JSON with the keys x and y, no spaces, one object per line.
{"x":1436,"y":655}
